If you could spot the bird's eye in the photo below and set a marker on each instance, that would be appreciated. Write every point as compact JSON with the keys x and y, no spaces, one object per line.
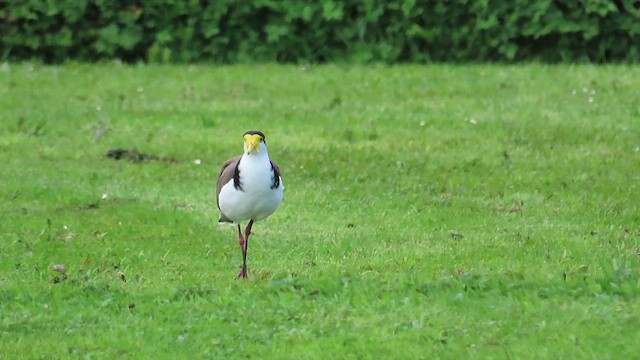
{"x":261,"y":139}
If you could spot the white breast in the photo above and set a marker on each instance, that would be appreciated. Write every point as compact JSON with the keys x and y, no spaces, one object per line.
{"x":255,"y":200}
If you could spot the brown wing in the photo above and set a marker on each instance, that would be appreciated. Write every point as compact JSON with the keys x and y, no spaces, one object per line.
{"x":276,"y":175}
{"x":229,"y":171}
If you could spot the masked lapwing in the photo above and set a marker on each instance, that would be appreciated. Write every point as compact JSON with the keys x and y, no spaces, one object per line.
{"x":249,"y":189}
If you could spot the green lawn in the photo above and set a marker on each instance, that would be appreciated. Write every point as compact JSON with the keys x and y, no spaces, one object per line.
{"x":430,"y":212}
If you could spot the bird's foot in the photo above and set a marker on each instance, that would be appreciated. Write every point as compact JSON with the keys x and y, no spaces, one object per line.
{"x":243,"y":274}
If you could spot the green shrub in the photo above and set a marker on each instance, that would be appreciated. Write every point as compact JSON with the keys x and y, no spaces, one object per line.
{"x":318,"y":31}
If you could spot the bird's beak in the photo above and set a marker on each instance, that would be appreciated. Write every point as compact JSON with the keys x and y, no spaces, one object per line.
{"x":253,"y":143}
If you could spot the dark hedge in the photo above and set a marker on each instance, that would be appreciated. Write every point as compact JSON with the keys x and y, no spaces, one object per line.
{"x":318,"y":31}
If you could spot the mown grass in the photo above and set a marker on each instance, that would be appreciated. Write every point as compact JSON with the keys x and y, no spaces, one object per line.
{"x":430,"y":212}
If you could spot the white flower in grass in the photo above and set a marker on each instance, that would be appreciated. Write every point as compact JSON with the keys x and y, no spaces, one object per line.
{"x":423,"y":123}
{"x":104,"y":196}
{"x":590,"y":100}
{"x":140,"y":89}
{"x":59,"y":268}
{"x":197,"y":161}
{"x":573,"y":92}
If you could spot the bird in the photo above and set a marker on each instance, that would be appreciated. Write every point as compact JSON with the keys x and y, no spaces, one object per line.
{"x":249,"y":188}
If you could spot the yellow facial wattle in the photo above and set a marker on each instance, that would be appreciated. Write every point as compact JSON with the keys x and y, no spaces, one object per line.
{"x":253,"y":142}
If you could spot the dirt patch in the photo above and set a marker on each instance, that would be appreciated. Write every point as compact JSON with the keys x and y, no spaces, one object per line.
{"x":135,"y":156}
{"x":90,"y":206}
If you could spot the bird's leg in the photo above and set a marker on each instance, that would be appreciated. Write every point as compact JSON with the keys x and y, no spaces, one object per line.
{"x":243,"y":246}
{"x":247,"y":232}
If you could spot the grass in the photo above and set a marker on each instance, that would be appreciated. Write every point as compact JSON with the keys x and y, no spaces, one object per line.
{"x":479,"y":211}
